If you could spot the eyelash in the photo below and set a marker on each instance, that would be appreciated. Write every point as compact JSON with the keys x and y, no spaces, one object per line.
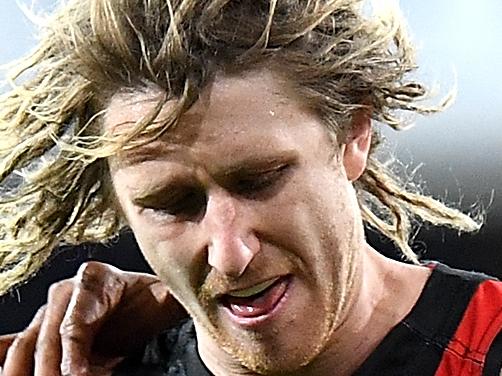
{"x":254,"y":184}
{"x":189,"y":206}
{"x":193,"y":203}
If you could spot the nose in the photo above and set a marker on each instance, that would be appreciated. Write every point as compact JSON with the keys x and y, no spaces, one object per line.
{"x":232,"y":241}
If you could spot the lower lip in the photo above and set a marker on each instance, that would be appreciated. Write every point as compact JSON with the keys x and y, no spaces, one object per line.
{"x":250,"y":322}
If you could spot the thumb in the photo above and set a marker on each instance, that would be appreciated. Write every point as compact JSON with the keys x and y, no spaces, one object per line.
{"x":96,"y":295}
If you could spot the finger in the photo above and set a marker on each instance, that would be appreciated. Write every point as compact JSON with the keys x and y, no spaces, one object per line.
{"x":19,"y":359}
{"x":149,"y":306}
{"x":97,"y":292}
{"x":5,"y":343}
{"x":48,"y":346}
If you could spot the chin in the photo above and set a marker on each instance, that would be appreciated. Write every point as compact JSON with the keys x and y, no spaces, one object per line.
{"x":273,"y":351}
{"x":266,"y":361}
{"x":280,"y":341}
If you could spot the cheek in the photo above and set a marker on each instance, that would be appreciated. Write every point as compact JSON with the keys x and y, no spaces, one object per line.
{"x":176,"y":262}
{"x":163,"y":246}
{"x":172,"y":250}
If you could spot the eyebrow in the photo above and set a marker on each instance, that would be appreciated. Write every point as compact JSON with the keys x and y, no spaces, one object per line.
{"x":158,"y":150}
{"x":225,"y":171}
{"x":152,"y":151}
{"x":168,"y":191}
{"x":247,"y":165}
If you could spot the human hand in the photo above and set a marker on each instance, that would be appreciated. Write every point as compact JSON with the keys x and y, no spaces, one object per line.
{"x":90,"y":322}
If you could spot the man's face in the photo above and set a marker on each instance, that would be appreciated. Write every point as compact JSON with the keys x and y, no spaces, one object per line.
{"x":246,"y":212}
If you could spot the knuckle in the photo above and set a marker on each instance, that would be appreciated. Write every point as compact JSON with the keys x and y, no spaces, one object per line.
{"x":21,"y":340}
{"x":39,"y":316}
{"x":74,"y":341}
{"x":69,"y":328}
{"x":91,"y":267}
{"x":98,"y":278}
{"x":91,"y":275}
{"x":24,"y":336}
{"x":76,"y":328}
{"x":58,"y":288}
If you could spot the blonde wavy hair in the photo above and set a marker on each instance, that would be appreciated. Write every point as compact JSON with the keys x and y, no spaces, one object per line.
{"x":339,"y":56}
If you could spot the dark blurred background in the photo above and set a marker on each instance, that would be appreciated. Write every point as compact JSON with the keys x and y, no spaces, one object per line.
{"x":459,"y":150}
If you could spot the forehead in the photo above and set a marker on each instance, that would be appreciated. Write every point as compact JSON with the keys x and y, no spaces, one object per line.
{"x":234,"y":112}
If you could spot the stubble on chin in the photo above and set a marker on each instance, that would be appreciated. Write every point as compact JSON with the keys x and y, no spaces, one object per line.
{"x":241,"y":352}
{"x":246,"y":353}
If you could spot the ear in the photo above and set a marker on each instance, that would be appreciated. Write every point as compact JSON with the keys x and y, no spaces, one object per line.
{"x":357,"y":145}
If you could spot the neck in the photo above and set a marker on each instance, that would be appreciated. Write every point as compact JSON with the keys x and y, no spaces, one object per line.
{"x":384,"y":292}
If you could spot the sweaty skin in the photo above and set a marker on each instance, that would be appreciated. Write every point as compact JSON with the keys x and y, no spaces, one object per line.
{"x":249,"y":188}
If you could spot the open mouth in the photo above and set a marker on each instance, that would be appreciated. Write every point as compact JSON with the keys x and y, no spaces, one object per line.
{"x":258,"y":300}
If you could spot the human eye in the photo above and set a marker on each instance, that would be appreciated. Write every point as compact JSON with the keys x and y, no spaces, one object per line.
{"x":186,"y":205}
{"x":256,"y":182}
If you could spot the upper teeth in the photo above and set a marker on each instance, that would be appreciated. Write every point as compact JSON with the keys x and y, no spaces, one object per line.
{"x":253,"y":289}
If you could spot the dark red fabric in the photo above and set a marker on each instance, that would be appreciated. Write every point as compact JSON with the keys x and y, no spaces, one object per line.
{"x":481,"y":323}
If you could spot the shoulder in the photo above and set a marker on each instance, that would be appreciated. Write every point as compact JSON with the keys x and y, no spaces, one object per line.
{"x":477,"y":342}
{"x":453,"y":329}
